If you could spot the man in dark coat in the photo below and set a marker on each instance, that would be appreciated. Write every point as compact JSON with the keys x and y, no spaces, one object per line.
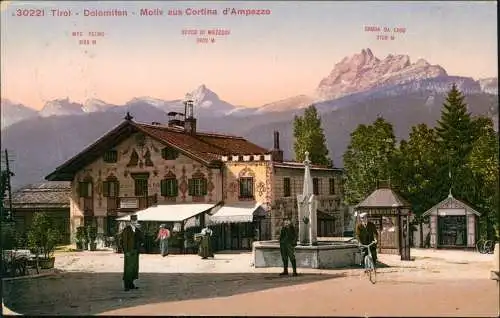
{"x":288,"y":241}
{"x":131,"y":238}
{"x":366,"y":232}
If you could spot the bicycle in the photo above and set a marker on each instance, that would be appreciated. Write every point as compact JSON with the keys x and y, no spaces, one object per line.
{"x":485,"y":246}
{"x":370,"y":269}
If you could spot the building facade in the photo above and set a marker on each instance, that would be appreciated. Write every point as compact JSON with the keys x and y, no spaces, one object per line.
{"x":52,"y":198}
{"x":138,"y":165}
{"x":453,"y":224}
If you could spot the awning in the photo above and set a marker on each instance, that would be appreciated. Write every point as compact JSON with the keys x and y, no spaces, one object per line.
{"x":237,"y":213}
{"x":169,"y":212}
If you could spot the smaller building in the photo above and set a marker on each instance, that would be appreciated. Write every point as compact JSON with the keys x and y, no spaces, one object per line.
{"x":453,"y":224}
{"x":391,"y":215}
{"x":49,"y":197}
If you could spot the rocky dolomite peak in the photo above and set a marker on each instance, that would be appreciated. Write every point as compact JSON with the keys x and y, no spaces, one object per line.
{"x":364,"y":71}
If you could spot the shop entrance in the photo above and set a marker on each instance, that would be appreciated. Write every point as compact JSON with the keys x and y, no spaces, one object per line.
{"x":452,"y":231}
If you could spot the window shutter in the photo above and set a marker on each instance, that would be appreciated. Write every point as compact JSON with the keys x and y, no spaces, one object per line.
{"x":204,"y":186}
{"x":83,"y":189}
{"x":105,"y":188}
{"x":163,"y":187}
{"x":191,"y":187}
{"x":117,"y":189}
{"x":176,"y":188}
{"x":138,"y":187}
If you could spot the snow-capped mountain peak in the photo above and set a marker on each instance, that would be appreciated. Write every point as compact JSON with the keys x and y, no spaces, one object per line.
{"x":59,"y":107}
{"x":364,"y":71}
{"x":95,"y":105}
{"x":12,"y":112}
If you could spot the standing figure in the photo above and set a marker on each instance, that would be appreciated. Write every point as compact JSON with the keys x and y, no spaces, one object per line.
{"x":366,"y":232}
{"x":288,"y":241}
{"x":163,"y":236}
{"x":131,"y":238}
{"x":205,"y":249}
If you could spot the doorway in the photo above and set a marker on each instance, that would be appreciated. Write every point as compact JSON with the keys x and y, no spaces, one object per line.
{"x":452,"y":231}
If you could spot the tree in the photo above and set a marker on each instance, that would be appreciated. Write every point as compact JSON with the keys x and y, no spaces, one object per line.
{"x":418,"y":171}
{"x":309,"y":136}
{"x":43,"y":236}
{"x":368,"y":159}
{"x":482,"y":162}
{"x":470,"y":150}
{"x":455,"y":131}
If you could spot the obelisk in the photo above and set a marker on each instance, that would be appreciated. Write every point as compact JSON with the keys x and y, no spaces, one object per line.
{"x":307,"y":208}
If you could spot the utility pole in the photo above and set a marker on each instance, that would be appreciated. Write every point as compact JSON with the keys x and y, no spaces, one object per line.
{"x":9,"y":174}
{"x":6,"y":188}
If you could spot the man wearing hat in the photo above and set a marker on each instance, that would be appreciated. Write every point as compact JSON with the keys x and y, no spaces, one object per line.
{"x":288,"y":241}
{"x":163,"y":235}
{"x":131,"y":238}
{"x":366,"y":232}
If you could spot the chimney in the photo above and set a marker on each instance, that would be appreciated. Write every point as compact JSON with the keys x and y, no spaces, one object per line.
{"x":276,"y":140}
{"x":189,"y":121}
{"x":277,"y":153}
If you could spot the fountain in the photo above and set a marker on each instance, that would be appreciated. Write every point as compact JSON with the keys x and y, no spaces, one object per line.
{"x":309,"y":252}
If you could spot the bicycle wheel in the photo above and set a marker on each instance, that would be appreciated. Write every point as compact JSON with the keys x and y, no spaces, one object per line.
{"x":482,"y":247}
{"x":488,"y":247}
{"x":370,"y":268}
{"x":479,"y":246}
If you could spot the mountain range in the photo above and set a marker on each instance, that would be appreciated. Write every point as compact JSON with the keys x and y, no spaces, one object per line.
{"x":357,"y":90}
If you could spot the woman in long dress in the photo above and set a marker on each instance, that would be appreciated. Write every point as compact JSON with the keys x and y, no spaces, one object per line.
{"x":205,"y":249}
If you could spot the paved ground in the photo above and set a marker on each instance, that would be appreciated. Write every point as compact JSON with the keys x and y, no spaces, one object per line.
{"x":436,"y":283}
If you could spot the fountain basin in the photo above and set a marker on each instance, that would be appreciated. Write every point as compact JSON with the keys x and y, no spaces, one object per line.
{"x":325,"y":255}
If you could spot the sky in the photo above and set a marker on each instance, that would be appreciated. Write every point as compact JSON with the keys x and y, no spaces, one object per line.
{"x":265,"y":58}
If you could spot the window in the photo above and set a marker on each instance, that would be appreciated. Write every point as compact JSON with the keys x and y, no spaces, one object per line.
{"x":316,"y":186}
{"x":197,"y":187}
{"x":110,"y":188}
{"x":110,"y":156}
{"x":169,"y":153}
{"x":84,"y":189}
{"x":169,"y":187}
{"x":286,"y":187}
{"x":332,"y":185}
{"x":141,"y":187}
{"x":246,"y":187}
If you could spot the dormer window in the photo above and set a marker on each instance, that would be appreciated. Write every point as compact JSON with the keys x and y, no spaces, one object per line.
{"x":169,"y":153}
{"x":110,"y":156}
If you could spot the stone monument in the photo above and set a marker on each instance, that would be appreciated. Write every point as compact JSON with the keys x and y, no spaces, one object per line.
{"x":309,"y":252}
{"x":307,"y":208}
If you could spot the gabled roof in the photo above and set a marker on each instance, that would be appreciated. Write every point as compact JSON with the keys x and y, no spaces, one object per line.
{"x":383,"y":198}
{"x":205,"y":148}
{"x":42,"y":195}
{"x":450,"y":203}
